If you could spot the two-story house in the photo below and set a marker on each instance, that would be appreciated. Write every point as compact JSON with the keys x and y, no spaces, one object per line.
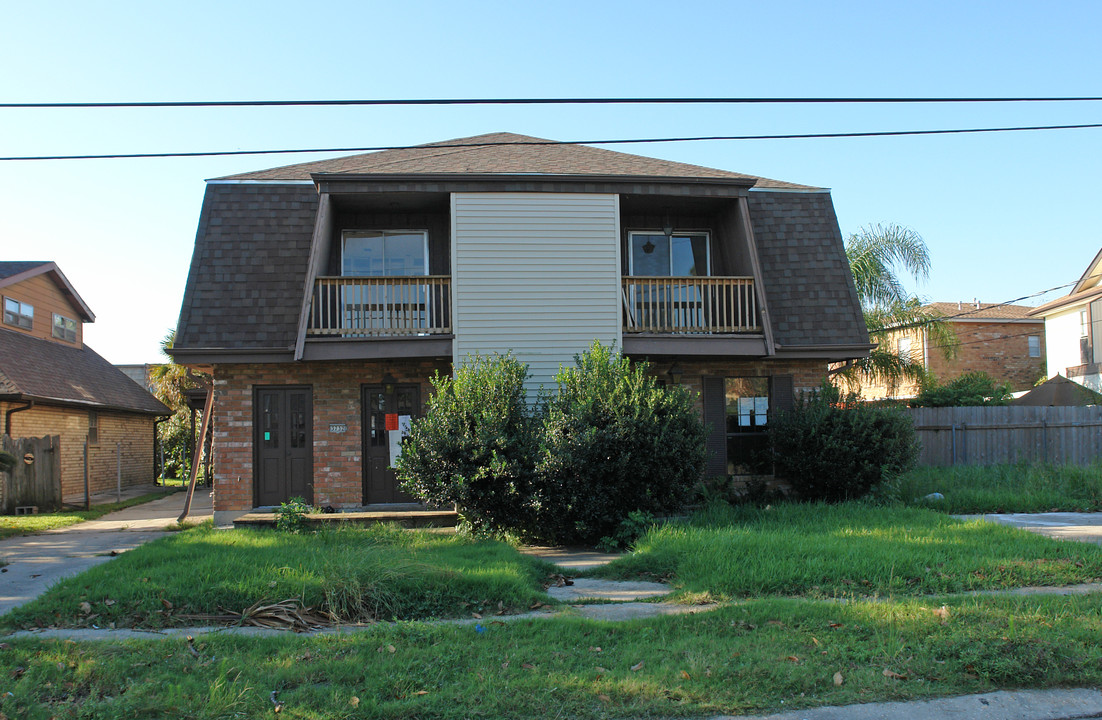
{"x":323,"y":297}
{"x":1073,"y":329}
{"x":999,"y":339}
{"x":51,"y":383}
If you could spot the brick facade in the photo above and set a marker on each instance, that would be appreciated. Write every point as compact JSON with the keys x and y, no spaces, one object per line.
{"x":338,"y":474}
{"x":1000,"y":349}
{"x":338,"y":478}
{"x":133,"y":432}
{"x":806,"y":374}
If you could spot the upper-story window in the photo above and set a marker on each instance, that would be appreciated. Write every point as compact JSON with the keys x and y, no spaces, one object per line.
{"x":1035,"y":346}
{"x":19,"y":314}
{"x":65,"y":328}
{"x":384,"y":253}
{"x":682,"y":254}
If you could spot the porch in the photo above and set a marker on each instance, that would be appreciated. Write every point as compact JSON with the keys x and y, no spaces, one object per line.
{"x":420,"y":306}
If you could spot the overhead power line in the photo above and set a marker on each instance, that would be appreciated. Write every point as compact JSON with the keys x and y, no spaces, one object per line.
{"x":973,"y":311}
{"x":441,"y":146}
{"x":548,"y":101}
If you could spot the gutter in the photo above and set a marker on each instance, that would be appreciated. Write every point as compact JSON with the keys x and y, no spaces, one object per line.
{"x":11,"y":411}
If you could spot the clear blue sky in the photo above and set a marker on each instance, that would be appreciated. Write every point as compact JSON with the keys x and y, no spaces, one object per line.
{"x":1004,"y":215}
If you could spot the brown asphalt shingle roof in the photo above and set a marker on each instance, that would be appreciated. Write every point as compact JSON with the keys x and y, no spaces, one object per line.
{"x":966,"y":311}
{"x":48,"y":371}
{"x":506,"y":154}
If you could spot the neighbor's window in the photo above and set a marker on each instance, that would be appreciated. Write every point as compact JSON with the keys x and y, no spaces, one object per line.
{"x":93,"y":427}
{"x":19,"y":314}
{"x":65,"y":328}
{"x":1096,"y":330}
{"x":747,"y":402}
{"x":903,"y":347}
{"x":679,"y":255}
{"x":1035,"y":346}
{"x":384,"y":253}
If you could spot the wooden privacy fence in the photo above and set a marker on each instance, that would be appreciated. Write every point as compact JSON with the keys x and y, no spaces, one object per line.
{"x":1008,"y":434}
{"x":35,"y":481}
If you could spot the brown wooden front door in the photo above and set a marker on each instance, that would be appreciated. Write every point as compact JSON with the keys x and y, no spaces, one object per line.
{"x":380,"y":483}
{"x":283,"y":421}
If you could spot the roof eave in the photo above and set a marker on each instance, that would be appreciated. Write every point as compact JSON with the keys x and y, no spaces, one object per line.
{"x":337,"y":178}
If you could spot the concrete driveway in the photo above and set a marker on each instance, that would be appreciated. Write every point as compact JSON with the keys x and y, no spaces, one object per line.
{"x":38,"y":561}
{"x":1084,"y":527}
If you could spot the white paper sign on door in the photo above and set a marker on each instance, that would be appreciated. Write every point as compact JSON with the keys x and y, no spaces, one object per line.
{"x":396,"y":436}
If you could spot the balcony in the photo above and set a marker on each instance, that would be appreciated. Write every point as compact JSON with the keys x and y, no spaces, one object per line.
{"x":372,"y":307}
{"x":689,"y":305}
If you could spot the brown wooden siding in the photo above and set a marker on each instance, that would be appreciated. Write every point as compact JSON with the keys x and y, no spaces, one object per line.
{"x":43,"y":295}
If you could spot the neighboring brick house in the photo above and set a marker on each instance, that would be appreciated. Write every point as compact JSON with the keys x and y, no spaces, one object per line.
{"x":1000,"y":340}
{"x":51,"y":383}
{"x":1073,"y":329}
{"x":324,"y":296}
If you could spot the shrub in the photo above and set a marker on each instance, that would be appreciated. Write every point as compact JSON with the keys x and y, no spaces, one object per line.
{"x":614,"y":442}
{"x":476,"y":447}
{"x":973,"y":388}
{"x":832,"y":448}
{"x":291,"y":515}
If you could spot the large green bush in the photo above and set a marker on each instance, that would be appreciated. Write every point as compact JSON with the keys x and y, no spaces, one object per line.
{"x":570,"y":468}
{"x":973,"y":388}
{"x":832,"y":448}
{"x":476,"y":447}
{"x":615,"y":442}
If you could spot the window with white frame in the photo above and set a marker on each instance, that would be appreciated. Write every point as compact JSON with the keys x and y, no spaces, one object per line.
{"x":682,"y":254}
{"x":1035,"y":346}
{"x":903,"y":348}
{"x":19,"y":314}
{"x":384,"y":253}
{"x":65,"y":328}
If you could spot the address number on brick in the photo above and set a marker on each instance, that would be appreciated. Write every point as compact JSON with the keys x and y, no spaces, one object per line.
{"x":337,"y":427}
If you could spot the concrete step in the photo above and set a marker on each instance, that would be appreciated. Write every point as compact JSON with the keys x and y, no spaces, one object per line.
{"x":404,"y":518}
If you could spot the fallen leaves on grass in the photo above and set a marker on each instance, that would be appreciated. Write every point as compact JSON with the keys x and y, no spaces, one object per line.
{"x":838,"y":679}
{"x":943,"y":613}
{"x":286,"y":615}
{"x":637,"y":666}
{"x":893,"y":675}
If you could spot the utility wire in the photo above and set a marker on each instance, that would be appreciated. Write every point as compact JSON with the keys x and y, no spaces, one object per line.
{"x":546,"y":101}
{"x":439,"y":146}
{"x":973,"y":311}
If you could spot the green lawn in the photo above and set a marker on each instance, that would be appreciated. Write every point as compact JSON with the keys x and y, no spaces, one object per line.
{"x":850,"y":549}
{"x":1005,"y":488}
{"x":357,"y":573}
{"x":755,"y":656}
{"x":12,"y":525}
{"x":812,"y":595}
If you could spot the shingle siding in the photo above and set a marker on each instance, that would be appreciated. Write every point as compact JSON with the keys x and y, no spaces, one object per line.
{"x":248,"y":271}
{"x":808,"y":284}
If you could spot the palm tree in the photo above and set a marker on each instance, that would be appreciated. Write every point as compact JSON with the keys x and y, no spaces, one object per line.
{"x":876,"y":255}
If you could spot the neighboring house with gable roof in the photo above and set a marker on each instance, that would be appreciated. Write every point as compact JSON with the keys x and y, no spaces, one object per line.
{"x":323,"y":296}
{"x":996,"y":338}
{"x":51,"y":383}
{"x":1073,"y":329}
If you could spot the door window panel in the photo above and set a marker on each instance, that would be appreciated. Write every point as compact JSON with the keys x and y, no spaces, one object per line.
{"x":298,"y":420}
{"x":270,"y":421}
{"x":377,"y":429}
{"x":747,"y":403}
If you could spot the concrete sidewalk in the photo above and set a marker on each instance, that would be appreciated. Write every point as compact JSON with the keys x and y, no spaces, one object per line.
{"x":38,"y":561}
{"x":1069,"y":704}
{"x":1084,"y":527}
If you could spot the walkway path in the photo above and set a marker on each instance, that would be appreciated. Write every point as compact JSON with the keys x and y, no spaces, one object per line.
{"x":1084,"y":527}
{"x":38,"y":561}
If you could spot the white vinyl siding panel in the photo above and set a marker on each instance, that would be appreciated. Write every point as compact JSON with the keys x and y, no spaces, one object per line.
{"x":537,"y":274}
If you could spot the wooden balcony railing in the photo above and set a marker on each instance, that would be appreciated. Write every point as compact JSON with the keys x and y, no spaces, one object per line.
{"x":381,"y":306}
{"x":689,"y":305}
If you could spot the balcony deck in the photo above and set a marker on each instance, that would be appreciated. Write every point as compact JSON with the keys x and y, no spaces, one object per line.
{"x":408,"y":307}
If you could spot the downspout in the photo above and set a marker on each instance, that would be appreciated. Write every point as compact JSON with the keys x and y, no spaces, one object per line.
{"x":11,"y":411}
{"x":156,"y":441}
{"x":925,"y":348}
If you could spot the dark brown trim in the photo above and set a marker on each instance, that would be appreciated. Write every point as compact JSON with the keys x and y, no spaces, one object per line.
{"x":825,"y":352}
{"x":322,"y":230}
{"x":339,"y":185}
{"x":759,"y":281}
{"x":434,"y":346}
{"x":40,"y":400}
{"x":749,"y":346}
{"x":209,"y":356}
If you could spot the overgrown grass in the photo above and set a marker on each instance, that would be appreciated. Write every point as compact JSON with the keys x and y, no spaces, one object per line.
{"x":752,"y":657}
{"x":851,"y":548}
{"x":13,"y":525}
{"x":1005,"y":488}
{"x":357,"y":573}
